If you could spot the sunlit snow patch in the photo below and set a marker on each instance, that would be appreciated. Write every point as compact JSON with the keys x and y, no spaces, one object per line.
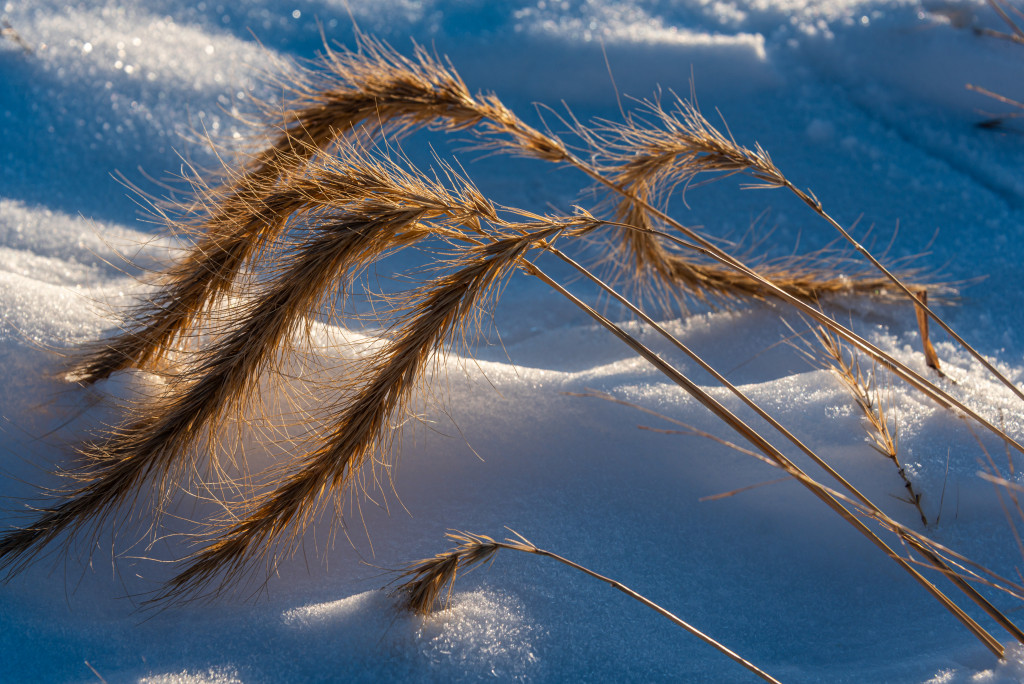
{"x":485,"y":632}
{"x":1008,"y":671}
{"x":214,"y":675}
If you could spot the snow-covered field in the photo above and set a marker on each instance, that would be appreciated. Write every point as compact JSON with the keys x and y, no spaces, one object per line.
{"x":863,"y":101}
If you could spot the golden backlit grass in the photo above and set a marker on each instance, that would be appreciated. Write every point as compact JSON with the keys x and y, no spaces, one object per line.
{"x":280,"y":238}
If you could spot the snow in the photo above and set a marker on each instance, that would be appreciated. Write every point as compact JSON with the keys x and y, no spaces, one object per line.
{"x":861,"y":100}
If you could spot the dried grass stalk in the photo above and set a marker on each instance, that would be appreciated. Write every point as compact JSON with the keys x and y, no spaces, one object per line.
{"x":240,"y":224}
{"x":901,"y":370}
{"x":270,"y":524}
{"x":425,"y":582}
{"x":158,"y":440}
{"x":1016,"y":34}
{"x":9,"y":32}
{"x":846,"y":366}
{"x":771,"y":454}
{"x":381,"y":208}
{"x":385,"y":91}
{"x":930,"y":357}
{"x":708,"y":149}
{"x":237,"y":219}
{"x":688,"y":145}
{"x":924,"y":548}
{"x":647,"y":162}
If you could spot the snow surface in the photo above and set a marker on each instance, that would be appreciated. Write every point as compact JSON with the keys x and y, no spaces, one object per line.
{"x":861,"y":100}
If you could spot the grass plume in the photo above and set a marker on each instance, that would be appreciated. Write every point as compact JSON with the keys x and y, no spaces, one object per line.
{"x":236,"y":219}
{"x":863,"y":386}
{"x":645,"y":162}
{"x":425,"y":582}
{"x":437,"y":314}
{"x":375,"y":90}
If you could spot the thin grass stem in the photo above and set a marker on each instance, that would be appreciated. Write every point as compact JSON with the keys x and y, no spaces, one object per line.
{"x":775,"y":455}
{"x":426,"y":580}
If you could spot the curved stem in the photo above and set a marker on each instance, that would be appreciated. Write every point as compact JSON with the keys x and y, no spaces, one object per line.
{"x":815,"y":205}
{"x":776,"y":456}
